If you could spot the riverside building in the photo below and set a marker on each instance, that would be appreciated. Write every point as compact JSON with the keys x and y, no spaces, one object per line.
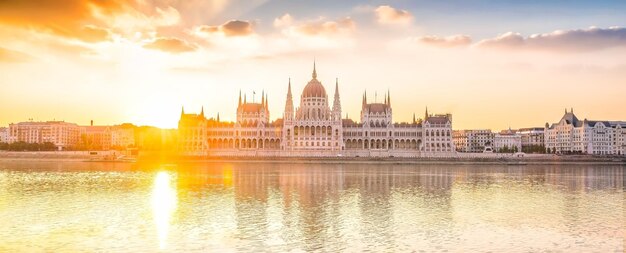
{"x":4,"y":135}
{"x":315,"y":128}
{"x":532,"y":139}
{"x":62,"y":134}
{"x":473,"y":141}
{"x":508,"y":140}
{"x":597,"y":137}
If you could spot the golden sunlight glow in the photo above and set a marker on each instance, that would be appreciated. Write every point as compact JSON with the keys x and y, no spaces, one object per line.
{"x":227,"y":175}
{"x":164,"y":202}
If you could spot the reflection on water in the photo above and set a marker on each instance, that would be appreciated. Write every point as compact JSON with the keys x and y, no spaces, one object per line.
{"x":252,"y":207}
{"x":163,"y":204}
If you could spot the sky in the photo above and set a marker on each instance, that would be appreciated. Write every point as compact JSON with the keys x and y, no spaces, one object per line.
{"x":491,"y":64}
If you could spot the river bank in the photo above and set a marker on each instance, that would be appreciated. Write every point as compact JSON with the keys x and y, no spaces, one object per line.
{"x":116,"y":156}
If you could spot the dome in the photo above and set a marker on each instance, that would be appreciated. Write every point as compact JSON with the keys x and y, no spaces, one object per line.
{"x":314,"y":89}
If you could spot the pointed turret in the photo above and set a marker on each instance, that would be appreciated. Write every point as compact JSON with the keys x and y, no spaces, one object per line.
{"x":202,"y":112}
{"x":218,"y":117}
{"x":314,"y":75}
{"x":426,"y":113}
{"x":239,"y":97}
{"x":266,"y":103}
{"x":263,"y":98}
{"x":337,"y":101}
{"x":245,"y":99}
{"x":289,"y":103}
{"x":182,"y":112}
{"x":365,"y":97}
{"x":388,"y":98}
{"x":385,"y":98}
{"x":414,"y":118}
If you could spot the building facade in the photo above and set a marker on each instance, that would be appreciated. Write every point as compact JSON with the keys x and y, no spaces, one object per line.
{"x":597,"y":137}
{"x":62,"y":134}
{"x":507,"y":141}
{"x":123,"y":136}
{"x":532,"y":139}
{"x":473,"y":141}
{"x":95,"y":137}
{"x":4,"y":135}
{"x":315,"y":129}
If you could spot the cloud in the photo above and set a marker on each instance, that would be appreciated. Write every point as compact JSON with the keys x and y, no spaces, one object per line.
{"x":92,"y":33}
{"x":65,"y":19}
{"x":386,"y":14}
{"x":11,"y":56}
{"x":450,"y":41}
{"x":589,"y":39}
{"x":171,"y":45}
{"x":318,"y":27}
{"x":283,"y":21}
{"x":86,"y":20}
{"x":230,"y":29}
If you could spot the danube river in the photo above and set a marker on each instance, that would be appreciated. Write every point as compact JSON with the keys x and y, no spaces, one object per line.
{"x":278,"y":207}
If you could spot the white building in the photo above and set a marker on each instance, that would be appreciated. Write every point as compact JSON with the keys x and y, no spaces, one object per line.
{"x":4,"y":135}
{"x":315,"y":128}
{"x":473,"y":141}
{"x":123,"y":136}
{"x":61,"y":134}
{"x":597,"y":137}
{"x":532,"y":139}
{"x":508,"y":140}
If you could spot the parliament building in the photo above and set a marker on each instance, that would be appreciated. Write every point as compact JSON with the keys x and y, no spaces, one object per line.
{"x":315,"y":129}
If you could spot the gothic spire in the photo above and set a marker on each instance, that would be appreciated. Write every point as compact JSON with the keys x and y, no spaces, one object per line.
{"x":289,"y":89}
{"x":388,"y":98}
{"x":365,"y":97}
{"x":337,"y":101}
{"x":363,"y":100}
{"x":245,"y":99}
{"x":289,"y":103}
{"x":239,"y":97}
{"x":218,"y":117}
{"x":182,"y":111}
{"x":263,"y":98}
{"x":202,"y":111}
{"x":426,"y":114}
{"x":314,"y":71}
{"x":414,"y":118}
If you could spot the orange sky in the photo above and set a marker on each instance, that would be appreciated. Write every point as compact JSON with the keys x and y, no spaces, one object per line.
{"x":140,"y":61}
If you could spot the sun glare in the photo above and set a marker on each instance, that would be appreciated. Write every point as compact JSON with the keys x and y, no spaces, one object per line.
{"x":164,"y":202}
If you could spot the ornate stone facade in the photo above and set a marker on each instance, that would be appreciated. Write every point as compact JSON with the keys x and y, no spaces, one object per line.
{"x":596,"y":137}
{"x":315,"y":129}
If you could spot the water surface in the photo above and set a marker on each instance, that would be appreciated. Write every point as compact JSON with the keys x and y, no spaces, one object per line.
{"x":277,"y":207}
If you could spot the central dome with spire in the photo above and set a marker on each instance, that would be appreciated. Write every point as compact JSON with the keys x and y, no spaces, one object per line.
{"x":314,"y":88}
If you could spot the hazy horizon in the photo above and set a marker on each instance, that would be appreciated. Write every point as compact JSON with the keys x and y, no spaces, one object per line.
{"x":490,"y":64}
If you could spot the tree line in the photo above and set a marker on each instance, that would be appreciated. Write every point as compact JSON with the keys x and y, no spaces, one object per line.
{"x":25,"y":146}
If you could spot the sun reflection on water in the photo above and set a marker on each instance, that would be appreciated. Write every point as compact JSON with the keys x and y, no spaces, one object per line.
{"x":164,"y":202}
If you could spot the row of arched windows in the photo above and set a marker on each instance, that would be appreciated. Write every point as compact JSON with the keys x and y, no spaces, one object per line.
{"x":437,"y":132}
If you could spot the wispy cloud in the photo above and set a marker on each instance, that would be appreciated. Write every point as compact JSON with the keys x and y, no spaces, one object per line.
{"x":589,"y":39}
{"x":171,"y":45}
{"x":450,"y":41}
{"x":229,"y":29}
{"x":318,"y":27}
{"x":11,"y":56}
{"x":386,"y":14}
